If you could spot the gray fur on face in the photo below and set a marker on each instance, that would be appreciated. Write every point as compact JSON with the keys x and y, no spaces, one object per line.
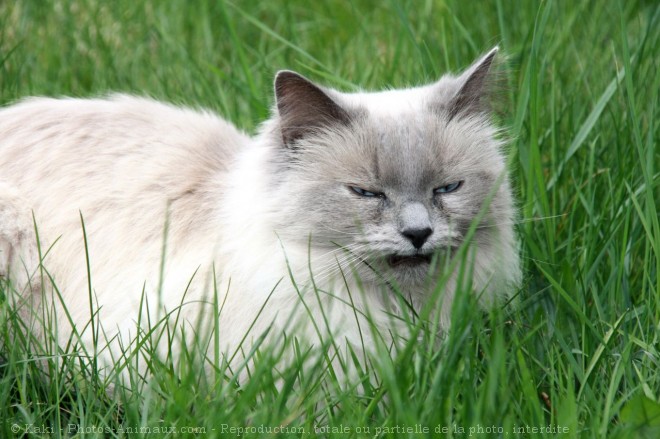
{"x":402,"y":158}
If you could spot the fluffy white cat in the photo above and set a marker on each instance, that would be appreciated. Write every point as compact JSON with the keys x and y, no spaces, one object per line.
{"x":343,"y":208}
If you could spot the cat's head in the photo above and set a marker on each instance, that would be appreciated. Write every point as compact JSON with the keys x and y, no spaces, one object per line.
{"x":391,"y":177}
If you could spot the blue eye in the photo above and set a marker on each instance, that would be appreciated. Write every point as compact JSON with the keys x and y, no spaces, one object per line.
{"x":365,"y":193}
{"x":448,"y":188}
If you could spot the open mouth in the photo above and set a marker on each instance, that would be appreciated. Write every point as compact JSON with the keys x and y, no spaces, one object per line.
{"x":410,"y":261}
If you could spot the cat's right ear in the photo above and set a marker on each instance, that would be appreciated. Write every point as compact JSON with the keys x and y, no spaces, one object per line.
{"x":304,"y":107}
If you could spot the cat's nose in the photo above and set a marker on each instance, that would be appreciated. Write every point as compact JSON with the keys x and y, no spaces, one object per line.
{"x":417,"y":236}
{"x":414,"y":223}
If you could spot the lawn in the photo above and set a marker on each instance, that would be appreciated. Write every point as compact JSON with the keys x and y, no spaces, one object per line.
{"x":576,"y":354}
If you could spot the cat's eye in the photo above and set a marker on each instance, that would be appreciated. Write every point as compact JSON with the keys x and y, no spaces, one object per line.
{"x":451,"y":187}
{"x":366,"y":193}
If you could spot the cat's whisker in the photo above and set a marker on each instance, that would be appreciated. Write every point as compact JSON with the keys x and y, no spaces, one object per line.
{"x":333,"y":271}
{"x":335,"y":266}
{"x":341,"y":231}
{"x":540,"y":218}
{"x":329,"y":260}
{"x":327,"y":270}
{"x":327,"y":273}
{"x":522,"y":221}
{"x":343,"y":248}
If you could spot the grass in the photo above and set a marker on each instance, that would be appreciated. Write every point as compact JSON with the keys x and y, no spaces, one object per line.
{"x":579,"y":351}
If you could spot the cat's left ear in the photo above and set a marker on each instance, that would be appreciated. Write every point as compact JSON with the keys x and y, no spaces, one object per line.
{"x":304,"y":107}
{"x":474,"y":87}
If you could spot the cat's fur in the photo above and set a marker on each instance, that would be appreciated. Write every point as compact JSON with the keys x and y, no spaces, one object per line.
{"x":175,"y":200}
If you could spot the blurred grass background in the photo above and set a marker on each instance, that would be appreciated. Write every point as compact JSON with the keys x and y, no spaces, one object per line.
{"x":581,"y":107}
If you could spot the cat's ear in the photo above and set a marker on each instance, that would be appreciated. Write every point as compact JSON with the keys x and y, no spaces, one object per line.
{"x":304,"y":107}
{"x":474,"y":87}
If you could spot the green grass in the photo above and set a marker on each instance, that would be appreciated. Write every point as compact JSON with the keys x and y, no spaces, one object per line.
{"x":581,"y":349}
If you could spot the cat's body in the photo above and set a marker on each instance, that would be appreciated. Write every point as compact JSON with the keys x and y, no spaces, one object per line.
{"x":176,"y":201}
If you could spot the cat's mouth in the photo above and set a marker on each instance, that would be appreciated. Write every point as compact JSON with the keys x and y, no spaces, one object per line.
{"x":408,"y":261}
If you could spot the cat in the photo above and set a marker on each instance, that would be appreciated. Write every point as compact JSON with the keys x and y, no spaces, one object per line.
{"x":339,"y":215}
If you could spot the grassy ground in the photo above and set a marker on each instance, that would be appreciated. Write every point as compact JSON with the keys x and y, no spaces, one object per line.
{"x":578,"y":357}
